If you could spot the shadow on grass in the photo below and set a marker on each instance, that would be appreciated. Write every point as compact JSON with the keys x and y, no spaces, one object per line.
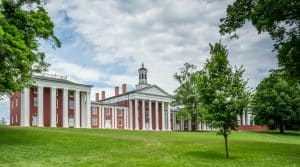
{"x":211,"y":155}
{"x":274,"y":132}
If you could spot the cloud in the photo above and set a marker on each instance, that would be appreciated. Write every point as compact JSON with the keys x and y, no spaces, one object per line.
{"x":163,"y":34}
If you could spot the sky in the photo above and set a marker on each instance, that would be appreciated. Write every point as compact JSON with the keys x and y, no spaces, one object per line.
{"x":105,"y":42}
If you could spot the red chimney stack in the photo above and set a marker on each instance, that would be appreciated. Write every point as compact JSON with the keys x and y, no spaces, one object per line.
{"x":124,"y":88}
{"x":102,"y":95}
{"x":97,"y":96}
{"x":116,"y":90}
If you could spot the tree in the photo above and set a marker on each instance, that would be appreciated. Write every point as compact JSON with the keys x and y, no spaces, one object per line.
{"x":222,"y":92}
{"x":280,"y":18}
{"x":3,"y":121}
{"x":23,"y":23}
{"x":276,"y":102}
{"x":186,"y":95}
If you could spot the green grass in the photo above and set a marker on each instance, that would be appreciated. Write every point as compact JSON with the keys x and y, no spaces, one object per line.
{"x":93,"y":147}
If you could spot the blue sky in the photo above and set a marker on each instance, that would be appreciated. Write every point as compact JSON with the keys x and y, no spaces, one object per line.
{"x":105,"y":42}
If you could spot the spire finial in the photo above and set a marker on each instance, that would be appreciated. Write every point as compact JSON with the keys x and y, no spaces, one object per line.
{"x":142,"y":64}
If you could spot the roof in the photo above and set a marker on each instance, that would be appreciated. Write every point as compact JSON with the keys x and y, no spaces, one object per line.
{"x":136,"y":90}
{"x":109,"y":104}
{"x":61,"y":80}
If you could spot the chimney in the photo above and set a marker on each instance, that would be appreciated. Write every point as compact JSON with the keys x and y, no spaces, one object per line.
{"x":116,"y":90}
{"x":97,"y":96}
{"x":124,"y":88}
{"x":102,"y":95}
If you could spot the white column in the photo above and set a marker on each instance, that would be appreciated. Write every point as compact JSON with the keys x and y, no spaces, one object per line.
{"x":25,"y":107}
{"x":101,"y":109}
{"x":181,"y":123}
{"x":244,"y":118}
{"x":143,"y":114}
{"x":116,"y":118}
{"x":150,"y":114}
{"x":53,"y":107}
{"x":99,"y":116}
{"x":40,"y":97}
{"x":136,"y":115}
{"x":77,"y":109}
{"x":163,"y":115}
{"x":248,"y":118}
{"x":189,"y":123}
{"x":130,"y":113}
{"x":169,"y":116}
{"x":65,"y":108}
{"x":156,"y":115}
{"x":125,"y":118}
{"x":113,"y":118}
{"x":88,"y":110}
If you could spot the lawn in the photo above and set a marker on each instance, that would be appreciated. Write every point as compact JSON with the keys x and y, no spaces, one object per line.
{"x":21,"y":146}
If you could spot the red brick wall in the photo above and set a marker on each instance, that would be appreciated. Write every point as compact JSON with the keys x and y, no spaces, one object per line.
{"x":159,"y":116}
{"x":15,"y":109}
{"x":47,"y":103}
{"x":59,"y":109}
{"x":121,"y":117}
{"x":153,"y":116}
{"x":96,"y":115}
{"x":133,"y":115}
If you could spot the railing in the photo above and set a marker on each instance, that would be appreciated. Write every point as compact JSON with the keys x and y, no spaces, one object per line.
{"x":52,"y":75}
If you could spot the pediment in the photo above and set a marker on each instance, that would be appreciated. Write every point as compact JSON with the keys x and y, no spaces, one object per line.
{"x":154,"y":90}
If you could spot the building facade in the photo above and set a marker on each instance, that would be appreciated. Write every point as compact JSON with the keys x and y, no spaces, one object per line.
{"x":145,"y":108}
{"x":54,"y":101}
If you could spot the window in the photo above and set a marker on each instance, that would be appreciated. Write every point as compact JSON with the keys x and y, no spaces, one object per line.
{"x":71,"y":94}
{"x":56,"y":118}
{"x":120,"y":112}
{"x":16,"y":102}
{"x":35,"y":90}
{"x":147,"y":114}
{"x":94,"y":110}
{"x":94,"y":121}
{"x":56,"y":92}
{"x":16,"y":117}
{"x":35,"y":101}
{"x":120,"y":122}
{"x":71,"y":104}
{"x":107,"y":112}
{"x":56,"y":103}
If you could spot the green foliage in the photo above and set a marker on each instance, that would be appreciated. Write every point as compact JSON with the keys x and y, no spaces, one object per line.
{"x":222,"y":91}
{"x":186,"y":94}
{"x":276,"y":102}
{"x":280,"y":18}
{"x":22,"y":24}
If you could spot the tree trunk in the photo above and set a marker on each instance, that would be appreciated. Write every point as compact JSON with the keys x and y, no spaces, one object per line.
{"x":281,"y":128}
{"x":226,"y":145}
{"x":194,"y":122}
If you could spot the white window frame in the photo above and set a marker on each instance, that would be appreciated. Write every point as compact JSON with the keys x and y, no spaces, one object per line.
{"x":71,"y":94}
{"x":120,"y":120}
{"x":35,"y":102}
{"x":107,"y":111}
{"x":121,"y":111}
{"x":94,"y":119}
{"x":73,"y":102}
{"x":94,"y":110}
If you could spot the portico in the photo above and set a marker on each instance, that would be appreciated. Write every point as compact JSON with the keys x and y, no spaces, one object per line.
{"x":55,"y":102}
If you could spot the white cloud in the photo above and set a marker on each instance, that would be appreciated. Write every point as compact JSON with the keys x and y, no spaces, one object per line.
{"x":162,"y":34}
